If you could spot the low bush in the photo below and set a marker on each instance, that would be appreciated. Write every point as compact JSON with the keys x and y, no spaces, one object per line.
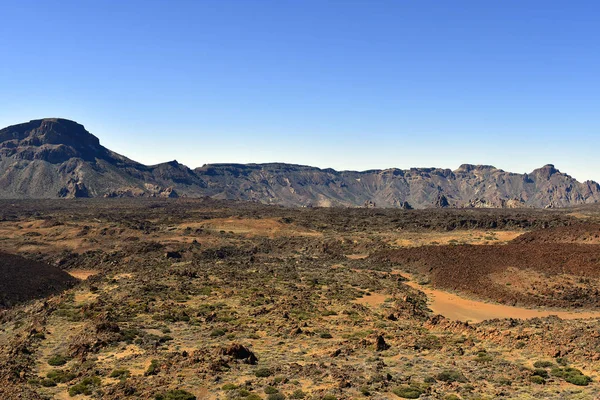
{"x":263,"y":373}
{"x":451,"y":375}
{"x":47,"y":383}
{"x":60,"y":376}
{"x":407,"y":392}
{"x":271,"y":390}
{"x":298,"y":394}
{"x":572,"y":375}
{"x":85,"y":387}
{"x":120,"y":373}
{"x":57,"y":360}
{"x":153,"y":368}
{"x":543,"y":364}
{"x":177,"y":394}
{"x":537,"y":379}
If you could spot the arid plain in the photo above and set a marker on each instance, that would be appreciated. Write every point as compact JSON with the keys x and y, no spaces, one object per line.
{"x":198,"y":298}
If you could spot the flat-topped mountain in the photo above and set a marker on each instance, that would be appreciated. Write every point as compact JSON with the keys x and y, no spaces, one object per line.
{"x":51,"y":158}
{"x":54,"y":157}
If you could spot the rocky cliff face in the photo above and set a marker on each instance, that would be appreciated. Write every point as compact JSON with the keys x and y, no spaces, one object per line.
{"x":55,"y":157}
{"x":468,"y":186}
{"x":59,"y":158}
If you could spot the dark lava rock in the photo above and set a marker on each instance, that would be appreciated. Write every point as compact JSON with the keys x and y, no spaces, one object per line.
{"x":173,"y":254}
{"x":22,"y":280}
{"x":240,"y":352}
{"x":380,"y":344}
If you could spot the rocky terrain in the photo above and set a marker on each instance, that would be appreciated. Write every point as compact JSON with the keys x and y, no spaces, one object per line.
{"x":53,"y":158}
{"x":212,"y":299}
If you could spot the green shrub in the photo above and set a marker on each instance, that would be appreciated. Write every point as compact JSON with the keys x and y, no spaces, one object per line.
{"x":218,"y":332}
{"x":153,"y":368}
{"x":541,"y":372}
{"x":325,"y":335}
{"x":263,"y":373}
{"x":482,"y":356}
{"x":504,"y":381}
{"x":562,"y":361}
{"x":276,"y":396}
{"x":60,"y":376}
{"x":120,"y":373}
{"x":47,"y":383}
{"x":407,"y":392}
{"x":329,"y":397}
{"x":298,"y":394}
{"x":57,"y":360}
{"x":229,"y":386}
{"x":253,"y":396}
{"x":451,"y":375}
{"x":79,"y":388}
{"x":537,"y":379}
{"x":451,"y":397}
{"x":572,"y":375}
{"x":271,"y":390}
{"x":177,"y":394}
{"x":84,"y":387}
{"x":543,"y":364}
{"x":578,"y":379}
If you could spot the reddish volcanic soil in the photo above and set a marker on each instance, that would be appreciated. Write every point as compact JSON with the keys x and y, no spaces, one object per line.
{"x":530,"y":271}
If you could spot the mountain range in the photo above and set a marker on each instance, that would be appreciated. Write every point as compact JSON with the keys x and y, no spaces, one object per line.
{"x":59,"y":158}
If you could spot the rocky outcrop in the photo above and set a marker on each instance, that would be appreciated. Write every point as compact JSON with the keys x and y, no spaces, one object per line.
{"x":441,"y":201}
{"x":52,"y":158}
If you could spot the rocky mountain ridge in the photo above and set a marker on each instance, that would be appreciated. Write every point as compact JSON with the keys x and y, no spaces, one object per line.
{"x":54,"y":157}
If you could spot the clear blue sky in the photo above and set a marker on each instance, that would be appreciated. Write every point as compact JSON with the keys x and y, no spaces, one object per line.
{"x":342,"y":84}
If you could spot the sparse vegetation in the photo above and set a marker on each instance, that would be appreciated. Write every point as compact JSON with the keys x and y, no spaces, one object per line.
{"x":272,"y":314}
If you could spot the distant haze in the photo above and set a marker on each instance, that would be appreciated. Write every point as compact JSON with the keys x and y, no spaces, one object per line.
{"x":347,"y":85}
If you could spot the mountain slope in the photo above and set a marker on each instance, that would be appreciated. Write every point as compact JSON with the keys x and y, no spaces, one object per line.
{"x":58,"y":158}
{"x":468,"y":186}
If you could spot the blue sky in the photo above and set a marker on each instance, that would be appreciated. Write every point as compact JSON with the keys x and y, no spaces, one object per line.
{"x":342,"y":84}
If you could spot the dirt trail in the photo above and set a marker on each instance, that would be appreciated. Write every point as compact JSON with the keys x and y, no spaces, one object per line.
{"x":82,"y":274}
{"x":455,"y":307}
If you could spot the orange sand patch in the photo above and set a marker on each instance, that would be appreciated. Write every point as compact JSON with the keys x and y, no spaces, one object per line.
{"x":356,"y":256}
{"x":374,"y":300}
{"x":455,"y":307}
{"x":82,"y":274}
{"x":129,"y":350}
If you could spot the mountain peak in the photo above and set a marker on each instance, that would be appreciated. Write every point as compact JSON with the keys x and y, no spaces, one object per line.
{"x":546,"y":171}
{"x":472,"y":167}
{"x":51,"y":139}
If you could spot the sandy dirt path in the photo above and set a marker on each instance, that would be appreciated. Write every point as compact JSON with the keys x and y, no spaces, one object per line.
{"x":459,"y":308}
